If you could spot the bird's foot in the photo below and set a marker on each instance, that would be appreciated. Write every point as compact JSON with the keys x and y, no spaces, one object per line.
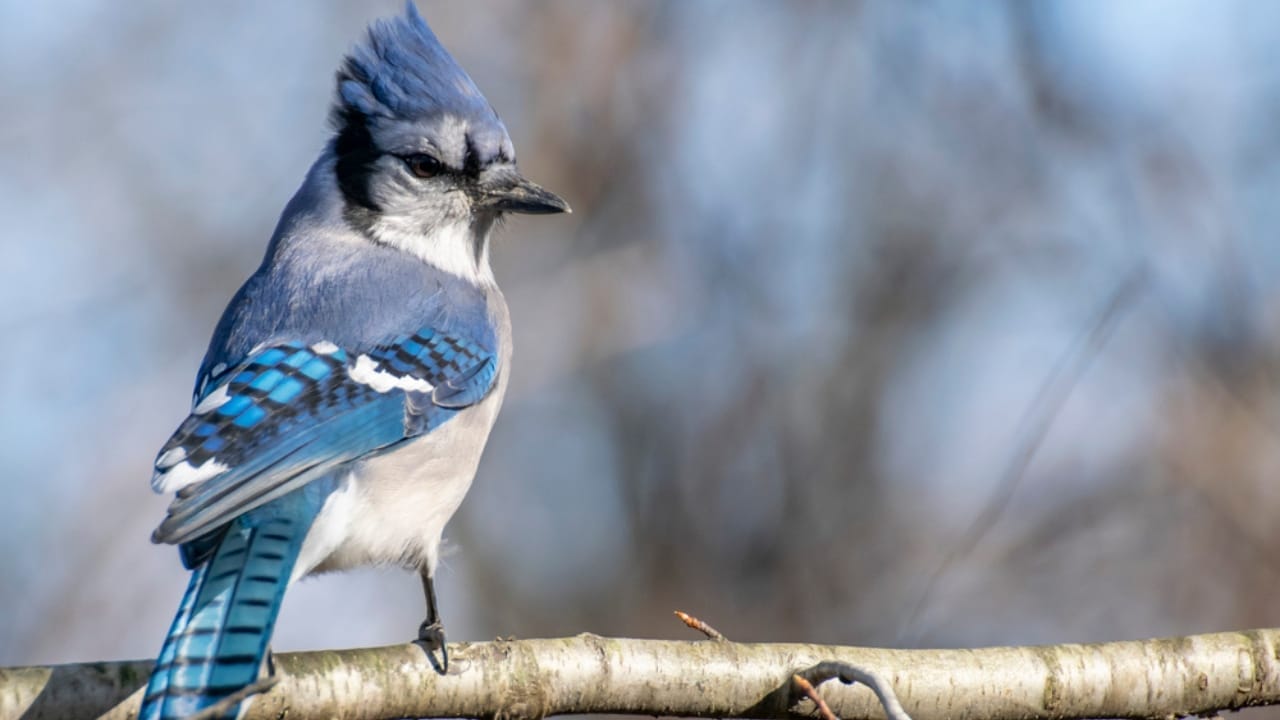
{"x":431,"y":634}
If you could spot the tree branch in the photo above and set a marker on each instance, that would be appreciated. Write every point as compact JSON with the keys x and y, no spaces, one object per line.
{"x":1194,"y":675}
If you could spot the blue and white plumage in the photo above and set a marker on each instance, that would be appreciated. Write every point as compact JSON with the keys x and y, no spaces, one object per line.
{"x":351,"y":384}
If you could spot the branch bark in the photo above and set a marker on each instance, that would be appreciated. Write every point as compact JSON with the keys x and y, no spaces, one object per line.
{"x":1184,"y":676}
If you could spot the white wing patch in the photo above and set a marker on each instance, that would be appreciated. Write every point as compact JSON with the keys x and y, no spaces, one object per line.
{"x":213,"y":400}
{"x":171,"y":458}
{"x":183,"y":474}
{"x":324,"y":347}
{"x":366,"y":372}
{"x":214,"y":372}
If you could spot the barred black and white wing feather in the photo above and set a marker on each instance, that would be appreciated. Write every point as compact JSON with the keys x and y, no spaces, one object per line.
{"x":292,"y":412}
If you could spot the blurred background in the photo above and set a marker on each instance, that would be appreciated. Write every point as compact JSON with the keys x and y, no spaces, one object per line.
{"x":927,"y":324}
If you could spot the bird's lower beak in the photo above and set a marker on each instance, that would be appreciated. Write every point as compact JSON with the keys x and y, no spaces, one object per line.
{"x":513,"y":193}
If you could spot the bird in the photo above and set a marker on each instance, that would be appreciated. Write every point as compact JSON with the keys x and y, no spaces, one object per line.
{"x":350,"y":385}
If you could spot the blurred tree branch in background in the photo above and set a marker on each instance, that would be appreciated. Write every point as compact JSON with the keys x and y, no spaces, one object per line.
{"x":1173,"y":677}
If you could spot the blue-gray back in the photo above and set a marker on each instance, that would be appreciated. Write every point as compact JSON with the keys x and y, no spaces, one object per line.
{"x":322,"y":281}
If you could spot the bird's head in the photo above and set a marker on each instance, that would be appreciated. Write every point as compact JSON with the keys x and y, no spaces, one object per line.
{"x":420,"y":157}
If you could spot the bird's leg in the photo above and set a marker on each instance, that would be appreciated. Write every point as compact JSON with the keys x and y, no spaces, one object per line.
{"x":431,"y":632}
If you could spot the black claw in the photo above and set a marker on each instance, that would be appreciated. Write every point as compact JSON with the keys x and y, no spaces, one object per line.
{"x":431,"y":634}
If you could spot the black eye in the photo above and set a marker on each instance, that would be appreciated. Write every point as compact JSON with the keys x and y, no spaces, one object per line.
{"x":422,"y":165}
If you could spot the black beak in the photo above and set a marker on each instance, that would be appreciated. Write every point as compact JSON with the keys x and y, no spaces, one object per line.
{"x":509,"y":192}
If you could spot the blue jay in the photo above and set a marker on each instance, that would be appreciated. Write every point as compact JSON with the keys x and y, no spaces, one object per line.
{"x":351,"y":383}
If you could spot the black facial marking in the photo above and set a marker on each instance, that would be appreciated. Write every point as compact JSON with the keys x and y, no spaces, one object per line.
{"x":482,"y":224}
{"x":356,"y":155}
{"x":355,"y":151}
{"x":471,"y":164}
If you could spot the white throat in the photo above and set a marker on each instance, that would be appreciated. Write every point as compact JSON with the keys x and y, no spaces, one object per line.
{"x":450,"y":247}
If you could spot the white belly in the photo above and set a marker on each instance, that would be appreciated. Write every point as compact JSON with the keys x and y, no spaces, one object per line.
{"x":392,"y":508}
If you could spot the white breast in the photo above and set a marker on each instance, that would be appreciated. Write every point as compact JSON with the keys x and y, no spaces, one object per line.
{"x":391,"y":509}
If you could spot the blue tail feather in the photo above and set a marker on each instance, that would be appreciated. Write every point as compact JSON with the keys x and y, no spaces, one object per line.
{"x":220,"y":634}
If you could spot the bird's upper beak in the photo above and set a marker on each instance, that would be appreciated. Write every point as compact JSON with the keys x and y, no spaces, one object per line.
{"x":508,"y":191}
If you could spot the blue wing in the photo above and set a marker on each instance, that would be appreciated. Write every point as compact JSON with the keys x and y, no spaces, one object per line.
{"x":291,"y":413}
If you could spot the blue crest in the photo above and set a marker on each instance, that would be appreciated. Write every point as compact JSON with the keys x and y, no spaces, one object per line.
{"x":403,"y":72}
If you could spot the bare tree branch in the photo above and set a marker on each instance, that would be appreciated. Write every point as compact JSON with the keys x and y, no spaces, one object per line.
{"x":1044,"y":409}
{"x":806,"y":687}
{"x":215,"y":711}
{"x":849,"y":674}
{"x":1196,"y":675}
